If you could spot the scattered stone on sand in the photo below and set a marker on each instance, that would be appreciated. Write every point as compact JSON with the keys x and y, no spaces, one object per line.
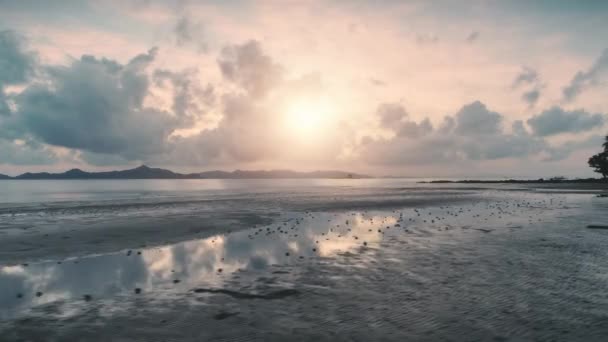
{"x":598,"y":226}
{"x":176,"y":281}
{"x":87,"y":297}
{"x":484,"y":230}
{"x":137,"y":290}
{"x":224,"y":315}
{"x":38,"y":294}
{"x":278,"y":294}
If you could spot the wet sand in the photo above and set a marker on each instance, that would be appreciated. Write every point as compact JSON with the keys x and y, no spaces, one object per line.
{"x":468,"y":264}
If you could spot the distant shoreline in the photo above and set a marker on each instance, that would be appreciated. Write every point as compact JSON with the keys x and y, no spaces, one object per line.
{"x":522,"y":181}
{"x":145,"y":172}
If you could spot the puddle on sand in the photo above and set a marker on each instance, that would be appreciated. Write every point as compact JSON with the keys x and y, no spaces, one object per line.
{"x":206,"y":266}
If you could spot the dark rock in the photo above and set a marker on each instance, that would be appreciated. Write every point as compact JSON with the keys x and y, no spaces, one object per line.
{"x":224,"y":315}
{"x":597,"y":226}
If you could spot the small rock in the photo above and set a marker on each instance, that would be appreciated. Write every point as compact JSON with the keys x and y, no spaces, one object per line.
{"x":224,"y":315}
{"x":597,"y":226}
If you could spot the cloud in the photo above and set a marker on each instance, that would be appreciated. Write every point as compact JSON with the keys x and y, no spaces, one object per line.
{"x":587,"y":78}
{"x":474,"y":133}
{"x":472,"y":37}
{"x":530,"y":78}
{"x":254,"y":126}
{"x":414,"y":130}
{"x":557,"y":120}
{"x":394,"y":117}
{"x":188,"y":96}
{"x":5,"y":109}
{"x":95,"y":105}
{"x":527,"y":75}
{"x":475,"y":119}
{"x":390,"y":114}
{"x":247,"y":66}
{"x":25,"y":153}
{"x":188,"y":32}
{"x":107,"y":110}
{"x":564,"y":150}
{"x":16,"y":65}
{"x":531,"y":96}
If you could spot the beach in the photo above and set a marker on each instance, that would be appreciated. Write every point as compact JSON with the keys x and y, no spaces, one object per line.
{"x":275,"y":260}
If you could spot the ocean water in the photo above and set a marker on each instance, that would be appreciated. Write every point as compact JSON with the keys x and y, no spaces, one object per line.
{"x":300,"y":260}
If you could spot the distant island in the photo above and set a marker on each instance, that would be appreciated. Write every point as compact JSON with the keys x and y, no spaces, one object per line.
{"x":145,"y":172}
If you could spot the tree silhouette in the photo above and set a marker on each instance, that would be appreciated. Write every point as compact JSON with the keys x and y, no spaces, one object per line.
{"x":599,"y":162}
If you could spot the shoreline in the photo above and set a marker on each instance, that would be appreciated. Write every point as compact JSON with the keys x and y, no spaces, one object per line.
{"x":521,"y":181}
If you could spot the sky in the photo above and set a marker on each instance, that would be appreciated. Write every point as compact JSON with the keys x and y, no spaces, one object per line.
{"x":420,"y":88}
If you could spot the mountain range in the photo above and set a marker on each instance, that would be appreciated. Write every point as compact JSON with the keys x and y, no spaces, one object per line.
{"x":145,"y":172}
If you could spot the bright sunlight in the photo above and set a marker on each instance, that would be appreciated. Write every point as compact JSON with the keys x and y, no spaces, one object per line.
{"x":306,"y":118}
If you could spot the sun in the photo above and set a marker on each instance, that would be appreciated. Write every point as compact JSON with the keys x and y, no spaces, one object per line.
{"x":307,"y":118}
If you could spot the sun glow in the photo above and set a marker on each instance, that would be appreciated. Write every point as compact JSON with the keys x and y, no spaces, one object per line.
{"x":307,"y":118}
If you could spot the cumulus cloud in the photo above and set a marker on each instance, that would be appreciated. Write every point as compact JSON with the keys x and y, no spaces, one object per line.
{"x":564,"y":150}
{"x":415,"y":129}
{"x":189,"y":96}
{"x":556,"y":120}
{"x":99,"y":107}
{"x":394,"y":117}
{"x":25,"y":153}
{"x":252,"y":124}
{"x":95,"y":105}
{"x":476,"y":119}
{"x":5,"y":109}
{"x":105,"y":112}
{"x":390,"y":114}
{"x":586,"y":78}
{"x":247,"y":66}
{"x":472,"y":133}
{"x":16,"y":65}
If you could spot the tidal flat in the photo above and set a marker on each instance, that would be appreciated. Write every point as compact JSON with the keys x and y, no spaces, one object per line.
{"x":354,"y":260}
